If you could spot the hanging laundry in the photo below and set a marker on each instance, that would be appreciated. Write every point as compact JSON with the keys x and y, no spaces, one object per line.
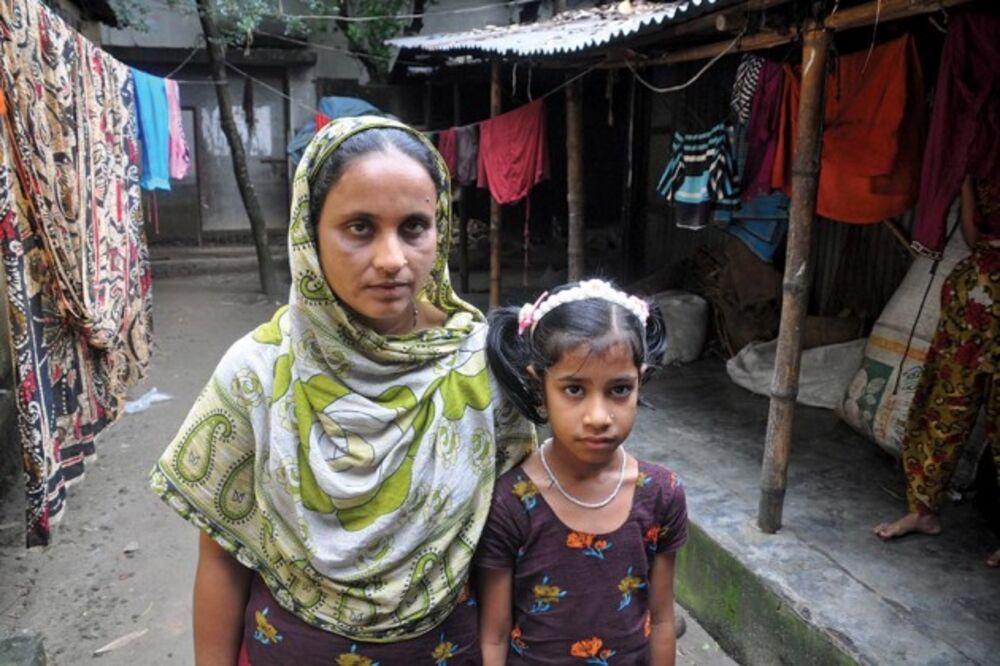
{"x":964,"y":134}
{"x":73,"y":249}
{"x":446,"y":146}
{"x":700,"y":175}
{"x":873,"y":129}
{"x":760,"y":222}
{"x":745,"y":86}
{"x":466,"y":153}
{"x":180,"y":156}
{"x":513,"y":154}
{"x":762,"y":131}
{"x":154,"y":130}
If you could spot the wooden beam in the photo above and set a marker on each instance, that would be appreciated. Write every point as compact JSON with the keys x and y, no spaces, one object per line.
{"x":495,"y":212}
{"x":805,"y":181}
{"x":844,"y":19}
{"x":890,"y":10}
{"x":707,"y":24}
{"x":574,"y":179}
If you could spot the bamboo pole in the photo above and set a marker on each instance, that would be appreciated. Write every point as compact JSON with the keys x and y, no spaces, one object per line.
{"x":574,"y":179}
{"x":495,"y":109}
{"x":805,"y":180}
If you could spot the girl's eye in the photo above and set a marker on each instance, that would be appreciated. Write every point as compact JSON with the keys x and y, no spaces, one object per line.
{"x":573,"y":391}
{"x":622,"y":391}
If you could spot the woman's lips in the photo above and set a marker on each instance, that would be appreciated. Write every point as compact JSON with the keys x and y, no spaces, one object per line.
{"x":391,"y":289}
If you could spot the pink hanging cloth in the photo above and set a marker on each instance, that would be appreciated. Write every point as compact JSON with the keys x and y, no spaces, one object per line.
{"x":180,"y":156}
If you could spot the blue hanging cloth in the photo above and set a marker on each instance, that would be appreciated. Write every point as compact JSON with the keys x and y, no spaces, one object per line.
{"x":154,"y":130}
{"x":331,"y":107}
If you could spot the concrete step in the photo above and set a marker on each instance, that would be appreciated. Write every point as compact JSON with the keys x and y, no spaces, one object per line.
{"x":823,"y":590}
{"x":22,"y":651}
{"x":178,"y":261}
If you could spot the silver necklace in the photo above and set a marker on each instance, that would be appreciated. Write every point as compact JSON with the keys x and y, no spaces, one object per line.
{"x":586,"y":505}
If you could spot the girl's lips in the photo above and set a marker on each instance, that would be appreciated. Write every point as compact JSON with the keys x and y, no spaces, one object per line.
{"x":599,"y":441}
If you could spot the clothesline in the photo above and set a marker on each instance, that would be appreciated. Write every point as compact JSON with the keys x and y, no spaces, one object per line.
{"x":543,"y":96}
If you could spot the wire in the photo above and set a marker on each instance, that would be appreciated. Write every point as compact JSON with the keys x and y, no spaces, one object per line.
{"x":871,"y":47}
{"x":443,"y":12}
{"x":550,"y":92}
{"x":670,"y":89}
{"x":280,"y":93}
{"x":338,"y":49}
{"x":186,"y":60}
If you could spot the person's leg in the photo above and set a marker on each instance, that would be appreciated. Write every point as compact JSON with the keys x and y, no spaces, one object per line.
{"x":944,"y":409}
{"x":993,"y":438}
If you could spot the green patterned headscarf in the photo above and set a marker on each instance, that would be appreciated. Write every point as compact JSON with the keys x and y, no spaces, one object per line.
{"x":352,"y":470}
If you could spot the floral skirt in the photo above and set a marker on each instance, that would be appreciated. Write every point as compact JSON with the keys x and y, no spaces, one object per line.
{"x":274,"y":636}
{"x":961,"y":376}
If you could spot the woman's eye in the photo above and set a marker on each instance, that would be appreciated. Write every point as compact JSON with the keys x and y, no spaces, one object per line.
{"x":573,"y":391}
{"x":358,"y":228}
{"x":414,"y":228}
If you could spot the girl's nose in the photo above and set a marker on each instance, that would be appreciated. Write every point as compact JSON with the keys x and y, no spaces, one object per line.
{"x":597,"y":415}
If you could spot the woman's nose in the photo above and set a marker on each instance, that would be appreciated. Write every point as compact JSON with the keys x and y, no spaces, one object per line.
{"x":389,"y":257}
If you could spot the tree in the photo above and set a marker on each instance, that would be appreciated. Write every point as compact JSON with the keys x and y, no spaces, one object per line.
{"x":232,"y":22}
{"x":217,"y":58}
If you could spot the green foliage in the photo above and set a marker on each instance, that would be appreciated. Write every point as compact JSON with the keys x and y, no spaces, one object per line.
{"x":239,"y":18}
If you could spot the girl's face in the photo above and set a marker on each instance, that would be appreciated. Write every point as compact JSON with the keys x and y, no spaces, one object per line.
{"x":377,"y":238}
{"x":591,"y":402}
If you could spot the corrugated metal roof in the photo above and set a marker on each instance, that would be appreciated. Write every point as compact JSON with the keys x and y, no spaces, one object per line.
{"x":566,"y":33}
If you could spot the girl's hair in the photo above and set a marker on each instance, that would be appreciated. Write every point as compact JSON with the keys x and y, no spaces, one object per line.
{"x":373,"y":140}
{"x":594,"y":322}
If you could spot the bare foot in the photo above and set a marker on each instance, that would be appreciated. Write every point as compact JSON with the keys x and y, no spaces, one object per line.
{"x":994,"y":559}
{"x":911,"y":522}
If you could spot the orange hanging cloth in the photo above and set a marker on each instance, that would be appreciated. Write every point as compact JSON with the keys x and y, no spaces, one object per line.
{"x":873,"y":134}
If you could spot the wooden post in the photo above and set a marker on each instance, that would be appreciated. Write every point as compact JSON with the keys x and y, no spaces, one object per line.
{"x":574,"y":178}
{"x":805,"y":178}
{"x":463,"y":202}
{"x":495,"y":108}
{"x":625,"y":223}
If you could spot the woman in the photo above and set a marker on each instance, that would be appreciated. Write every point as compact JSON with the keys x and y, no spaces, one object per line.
{"x":961,"y":373}
{"x":341,"y":459}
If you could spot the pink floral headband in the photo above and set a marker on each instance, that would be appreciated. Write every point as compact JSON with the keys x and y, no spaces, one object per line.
{"x":532,"y":313}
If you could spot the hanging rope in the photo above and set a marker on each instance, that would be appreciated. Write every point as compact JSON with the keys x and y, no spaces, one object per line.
{"x":689,"y":82}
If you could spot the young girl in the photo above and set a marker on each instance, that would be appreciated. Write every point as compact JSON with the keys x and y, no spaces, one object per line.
{"x":576,"y":564}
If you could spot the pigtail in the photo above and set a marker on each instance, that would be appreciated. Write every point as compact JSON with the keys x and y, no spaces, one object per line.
{"x":656,"y":340}
{"x":509,"y":357}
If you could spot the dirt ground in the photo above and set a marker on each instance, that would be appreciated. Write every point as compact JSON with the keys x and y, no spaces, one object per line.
{"x":122,"y":564}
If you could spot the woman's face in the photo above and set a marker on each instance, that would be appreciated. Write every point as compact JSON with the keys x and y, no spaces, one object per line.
{"x":377,"y":238}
